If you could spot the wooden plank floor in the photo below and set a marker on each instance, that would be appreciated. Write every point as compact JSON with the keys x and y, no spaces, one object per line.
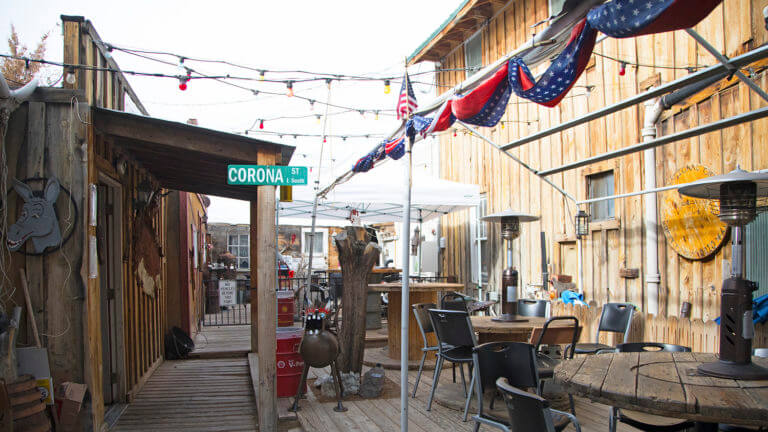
{"x":222,"y":341}
{"x":194,"y":395}
{"x":384,"y":414}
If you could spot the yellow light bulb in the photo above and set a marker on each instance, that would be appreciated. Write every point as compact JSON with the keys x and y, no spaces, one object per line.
{"x":387,"y":88}
{"x":502,"y":125}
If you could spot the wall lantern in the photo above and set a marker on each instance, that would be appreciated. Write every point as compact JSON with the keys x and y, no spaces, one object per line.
{"x":144,"y":193}
{"x":582,"y":224}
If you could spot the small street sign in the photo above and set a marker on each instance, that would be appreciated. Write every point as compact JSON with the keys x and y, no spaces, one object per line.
{"x":257,"y":175}
{"x":227,"y":292}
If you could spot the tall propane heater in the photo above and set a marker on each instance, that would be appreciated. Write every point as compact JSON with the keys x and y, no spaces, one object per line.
{"x":510,"y":230}
{"x":741,"y":194}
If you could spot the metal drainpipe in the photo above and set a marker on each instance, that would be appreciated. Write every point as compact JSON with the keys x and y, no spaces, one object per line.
{"x":653,"y":110}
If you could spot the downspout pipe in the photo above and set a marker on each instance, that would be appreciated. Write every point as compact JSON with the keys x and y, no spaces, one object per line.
{"x":653,"y":111}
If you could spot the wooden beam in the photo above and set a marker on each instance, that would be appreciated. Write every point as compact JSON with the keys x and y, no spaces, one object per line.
{"x":264,"y":273}
{"x":179,"y":137}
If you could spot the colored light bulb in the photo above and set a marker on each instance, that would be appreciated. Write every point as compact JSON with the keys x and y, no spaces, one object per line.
{"x":261,"y":124}
{"x":289,"y":85}
{"x":387,"y":87}
{"x":623,"y":69}
{"x":182,"y":85}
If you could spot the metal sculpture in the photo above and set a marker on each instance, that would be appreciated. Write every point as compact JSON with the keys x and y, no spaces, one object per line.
{"x":38,"y":219}
{"x":319,"y":348}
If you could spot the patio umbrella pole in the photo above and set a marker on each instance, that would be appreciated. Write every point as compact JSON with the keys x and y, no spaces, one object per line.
{"x":404,"y":300}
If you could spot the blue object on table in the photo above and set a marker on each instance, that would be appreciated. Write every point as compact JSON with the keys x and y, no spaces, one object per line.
{"x":759,"y":310}
{"x":572,"y":297}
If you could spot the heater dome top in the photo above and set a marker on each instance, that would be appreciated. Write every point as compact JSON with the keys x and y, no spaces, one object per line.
{"x":501,"y":216}
{"x":709,"y":188}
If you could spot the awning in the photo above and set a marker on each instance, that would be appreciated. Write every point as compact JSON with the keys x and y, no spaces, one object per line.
{"x":185,"y":157}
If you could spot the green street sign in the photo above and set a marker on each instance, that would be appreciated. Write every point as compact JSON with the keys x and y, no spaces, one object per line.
{"x":255,"y":175}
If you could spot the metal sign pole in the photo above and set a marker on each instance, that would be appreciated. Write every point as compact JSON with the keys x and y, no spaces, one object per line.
{"x":404,"y":300}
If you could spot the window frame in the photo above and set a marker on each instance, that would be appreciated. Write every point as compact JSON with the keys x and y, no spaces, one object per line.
{"x":237,"y":255}
{"x":324,"y":241}
{"x":611,"y":204}
{"x":479,"y":274}
{"x":478,"y":35}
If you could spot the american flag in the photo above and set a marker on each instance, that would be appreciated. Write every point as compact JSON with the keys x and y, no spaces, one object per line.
{"x":628,"y":18}
{"x":561,"y":74}
{"x":406,"y":104}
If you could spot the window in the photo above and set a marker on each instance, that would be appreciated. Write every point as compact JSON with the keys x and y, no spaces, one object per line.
{"x":238,"y":245}
{"x":319,"y":246}
{"x":479,"y":257}
{"x":473,"y":53}
{"x":555,"y":7}
{"x":601,"y":185}
{"x":195,"y":262}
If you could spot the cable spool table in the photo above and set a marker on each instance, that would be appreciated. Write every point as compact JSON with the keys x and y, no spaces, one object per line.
{"x":667,"y":384}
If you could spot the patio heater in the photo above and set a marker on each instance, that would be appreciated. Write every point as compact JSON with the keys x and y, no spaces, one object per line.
{"x":510,"y":230}
{"x":739,"y":193}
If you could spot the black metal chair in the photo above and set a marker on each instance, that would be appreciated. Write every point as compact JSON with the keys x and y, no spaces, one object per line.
{"x":453,"y":301}
{"x":549,"y":336}
{"x":641,"y":420}
{"x":455,"y":340}
{"x":532,"y":308}
{"x":616,"y":318}
{"x":529,"y":412}
{"x":514,"y":361}
{"x":420,"y":311}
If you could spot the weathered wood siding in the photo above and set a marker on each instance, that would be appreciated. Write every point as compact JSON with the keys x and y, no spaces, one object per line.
{"x":733,"y":28}
{"x":143,"y":316}
{"x":43,"y":141}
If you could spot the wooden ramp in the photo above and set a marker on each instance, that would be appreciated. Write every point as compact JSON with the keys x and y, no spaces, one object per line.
{"x":222,"y":342}
{"x":194,"y":395}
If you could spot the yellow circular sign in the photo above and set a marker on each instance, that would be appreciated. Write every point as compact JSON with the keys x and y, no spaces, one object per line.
{"x":691,"y":225}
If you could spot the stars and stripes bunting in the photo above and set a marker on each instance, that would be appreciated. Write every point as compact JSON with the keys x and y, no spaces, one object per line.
{"x":628,"y":18}
{"x":485,"y":104}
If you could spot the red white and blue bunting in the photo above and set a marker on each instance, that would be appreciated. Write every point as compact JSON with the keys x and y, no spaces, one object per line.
{"x":485,"y":104}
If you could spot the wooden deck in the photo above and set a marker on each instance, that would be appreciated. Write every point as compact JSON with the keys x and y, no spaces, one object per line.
{"x":194,"y":395}
{"x":384,"y":414}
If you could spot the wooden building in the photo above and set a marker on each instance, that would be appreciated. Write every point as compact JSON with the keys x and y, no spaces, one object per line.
{"x":103,"y":296}
{"x":482,"y":31}
{"x":187,"y":260}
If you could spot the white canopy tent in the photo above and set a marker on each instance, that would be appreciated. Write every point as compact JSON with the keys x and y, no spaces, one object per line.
{"x":379,"y":201}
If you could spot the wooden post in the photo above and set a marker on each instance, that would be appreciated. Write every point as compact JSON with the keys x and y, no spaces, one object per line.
{"x":357,"y":256}
{"x":263,"y":272}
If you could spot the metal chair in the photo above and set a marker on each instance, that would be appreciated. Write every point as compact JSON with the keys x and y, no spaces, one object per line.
{"x":455,"y":340}
{"x":617,"y":318}
{"x":420,"y":311}
{"x":641,"y":420}
{"x":555,"y":336}
{"x":529,"y":412}
{"x":532,"y":308}
{"x":515,"y":361}
{"x":453,"y":301}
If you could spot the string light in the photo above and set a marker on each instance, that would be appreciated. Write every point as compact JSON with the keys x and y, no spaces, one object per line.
{"x":311,"y":105}
{"x":328,"y":83}
{"x":377,"y":114}
{"x":387,"y":87}
{"x":454,"y":133}
{"x":622,"y":69}
{"x":71,"y":78}
{"x":318,"y":118}
{"x":184,"y":75}
{"x":289,"y":85}
{"x":261,"y":74}
{"x":261,"y":124}
{"x":324,"y":139}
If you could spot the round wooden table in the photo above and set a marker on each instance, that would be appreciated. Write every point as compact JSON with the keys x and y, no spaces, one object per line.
{"x":494,"y":331}
{"x":419,"y":292}
{"x":667,"y":384}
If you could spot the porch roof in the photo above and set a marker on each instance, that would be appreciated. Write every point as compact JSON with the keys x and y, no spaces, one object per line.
{"x":185,"y":157}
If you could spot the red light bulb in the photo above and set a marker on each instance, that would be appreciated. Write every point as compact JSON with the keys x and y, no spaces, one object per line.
{"x":183,"y":85}
{"x":261,"y":124}
{"x":454,"y":133}
{"x":324,"y":140}
{"x":623,"y":69}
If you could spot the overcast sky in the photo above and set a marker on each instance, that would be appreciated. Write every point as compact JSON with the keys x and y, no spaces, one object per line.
{"x":345,"y":37}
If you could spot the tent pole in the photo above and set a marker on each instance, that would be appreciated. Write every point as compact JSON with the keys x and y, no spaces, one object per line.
{"x":311,"y":252}
{"x":405,"y":294}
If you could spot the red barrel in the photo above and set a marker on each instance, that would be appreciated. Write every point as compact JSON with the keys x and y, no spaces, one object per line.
{"x":289,"y":362}
{"x":285,"y":308}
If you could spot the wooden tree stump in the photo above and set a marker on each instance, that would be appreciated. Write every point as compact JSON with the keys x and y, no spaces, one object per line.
{"x":357,"y":256}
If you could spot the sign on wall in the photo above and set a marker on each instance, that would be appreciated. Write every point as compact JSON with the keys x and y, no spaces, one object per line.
{"x":691,"y":225}
{"x":255,"y":175}
{"x":227,"y":293}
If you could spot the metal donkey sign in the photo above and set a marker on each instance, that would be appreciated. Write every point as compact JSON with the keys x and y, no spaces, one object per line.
{"x":38,"y":220}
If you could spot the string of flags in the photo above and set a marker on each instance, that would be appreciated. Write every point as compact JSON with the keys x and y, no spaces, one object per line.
{"x":485,"y":104}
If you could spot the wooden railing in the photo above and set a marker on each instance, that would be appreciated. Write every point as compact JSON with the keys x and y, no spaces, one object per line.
{"x":699,"y":335}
